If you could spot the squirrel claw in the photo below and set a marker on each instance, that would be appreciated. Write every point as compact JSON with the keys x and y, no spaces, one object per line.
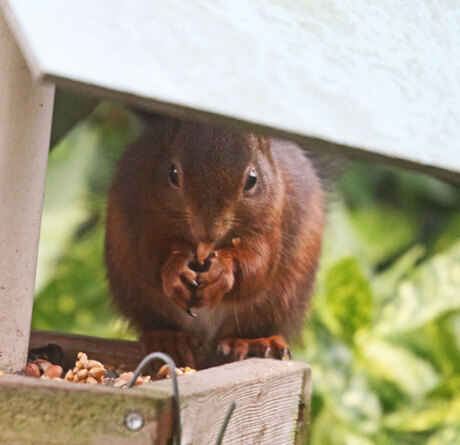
{"x":177,"y":278}
{"x":189,"y":312}
{"x":286,"y":354}
{"x":223,"y":349}
{"x":266,"y":347}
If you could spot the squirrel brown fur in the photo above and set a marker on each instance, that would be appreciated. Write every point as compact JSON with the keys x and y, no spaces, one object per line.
{"x":255,"y":203}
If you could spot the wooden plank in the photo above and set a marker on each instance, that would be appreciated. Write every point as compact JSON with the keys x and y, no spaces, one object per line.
{"x":304,"y":415}
{"x":48,"y":412}
{"x":25,"y":125}
{"x":273,"y":397}
{"x":378,"y":80}
{"x":267,"y":392}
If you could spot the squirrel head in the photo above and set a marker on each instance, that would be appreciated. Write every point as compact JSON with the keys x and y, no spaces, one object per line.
{"x":215,"y":183}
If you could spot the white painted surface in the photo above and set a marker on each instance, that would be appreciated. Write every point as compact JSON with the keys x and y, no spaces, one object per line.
{"x":25,"y":125}
{"x":379,"y":76}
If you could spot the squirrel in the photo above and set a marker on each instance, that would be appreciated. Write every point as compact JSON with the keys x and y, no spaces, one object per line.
{"x":213,"y":240}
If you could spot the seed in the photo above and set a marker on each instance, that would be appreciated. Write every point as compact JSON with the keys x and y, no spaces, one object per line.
{"x":163,"y":372}
{"x":43,"y":364}
{"x":82,"y":374}
{"x":32,"y":370}
{"x":91,"y":381}
{"x":97,"y":372}
{"x":83,"y":359}
{"x":94,"y":364}
{"x":126,"y":376}
{"x":69,"y":375}
{"x":53,"y":371}
{"x":120,"y":383}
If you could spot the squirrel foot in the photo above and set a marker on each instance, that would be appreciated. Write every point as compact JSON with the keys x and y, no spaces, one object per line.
{"x":267,"y":347}
{"x":179,"y":345}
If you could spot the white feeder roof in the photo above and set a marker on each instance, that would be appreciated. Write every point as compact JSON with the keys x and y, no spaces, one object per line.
{"x":372,"y":78}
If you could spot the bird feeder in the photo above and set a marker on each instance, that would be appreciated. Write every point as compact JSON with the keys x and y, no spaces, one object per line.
{"x":372,"y":80}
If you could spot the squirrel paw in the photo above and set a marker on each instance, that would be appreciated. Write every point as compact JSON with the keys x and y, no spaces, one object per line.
{"x":179,"y":345}
{"x":216,"y":282}
{"x":235,"y":349}
{"x":178,"y":279}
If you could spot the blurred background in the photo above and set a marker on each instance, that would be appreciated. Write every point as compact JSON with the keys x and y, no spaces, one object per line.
{"x":383,"y":333}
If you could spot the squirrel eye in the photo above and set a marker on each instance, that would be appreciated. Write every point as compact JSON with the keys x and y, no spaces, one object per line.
{"x":251,"y":180}
{"x":174,"y":175}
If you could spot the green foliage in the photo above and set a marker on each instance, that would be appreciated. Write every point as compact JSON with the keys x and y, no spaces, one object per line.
{"x":349,"y":298}
{"x":383,"y":335}
{"x":72,"y":293}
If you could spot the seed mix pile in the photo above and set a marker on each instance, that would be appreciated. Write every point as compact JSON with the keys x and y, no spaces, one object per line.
{"x":93,"y":372}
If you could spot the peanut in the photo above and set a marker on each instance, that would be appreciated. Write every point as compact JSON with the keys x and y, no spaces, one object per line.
{"x":53,"y":371}
{"x":32,"y":370}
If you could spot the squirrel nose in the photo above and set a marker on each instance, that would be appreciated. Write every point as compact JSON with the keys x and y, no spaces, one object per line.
{"x":207,"y":232}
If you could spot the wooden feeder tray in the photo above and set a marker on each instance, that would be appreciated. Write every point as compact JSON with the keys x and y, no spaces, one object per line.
{"x":272,"y":399}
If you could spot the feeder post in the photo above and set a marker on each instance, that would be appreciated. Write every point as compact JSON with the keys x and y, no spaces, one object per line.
{"x":25,"y":126}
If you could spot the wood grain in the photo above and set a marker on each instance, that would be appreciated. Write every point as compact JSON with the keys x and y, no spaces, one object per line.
{"x":48,"y":412}
{"x":267,"y":393}
{"x":273,"y":397}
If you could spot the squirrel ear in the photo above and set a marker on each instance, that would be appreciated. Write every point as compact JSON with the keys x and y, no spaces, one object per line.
{"x":263,"y":144}
{"x":163,"y":126}
{"x":170,"y":129}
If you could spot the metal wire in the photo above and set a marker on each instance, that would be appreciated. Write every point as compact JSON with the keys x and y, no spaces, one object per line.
{"x":223,"y":428}
{"x":172,"y":371}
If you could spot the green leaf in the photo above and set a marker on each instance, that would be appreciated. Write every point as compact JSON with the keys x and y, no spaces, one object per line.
{"x":436,"y":342}
{"x":330,"y":430}
{"x":413,"y":375}
{"x":446,"y":436}
{"x":449,"y":235}
{"x":64,"y":207}
{"x":348,"y":297}
{"x":384,"y":231}
{"x":439,"y":414}
{"x":76,"y":298}
{"x":384,"y":284}
{"x":431,"y":291}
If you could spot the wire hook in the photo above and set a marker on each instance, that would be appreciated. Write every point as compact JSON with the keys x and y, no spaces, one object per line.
{"x":172,"y":371}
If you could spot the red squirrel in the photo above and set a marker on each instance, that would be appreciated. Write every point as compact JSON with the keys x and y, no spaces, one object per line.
{"x":223,"y":223}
